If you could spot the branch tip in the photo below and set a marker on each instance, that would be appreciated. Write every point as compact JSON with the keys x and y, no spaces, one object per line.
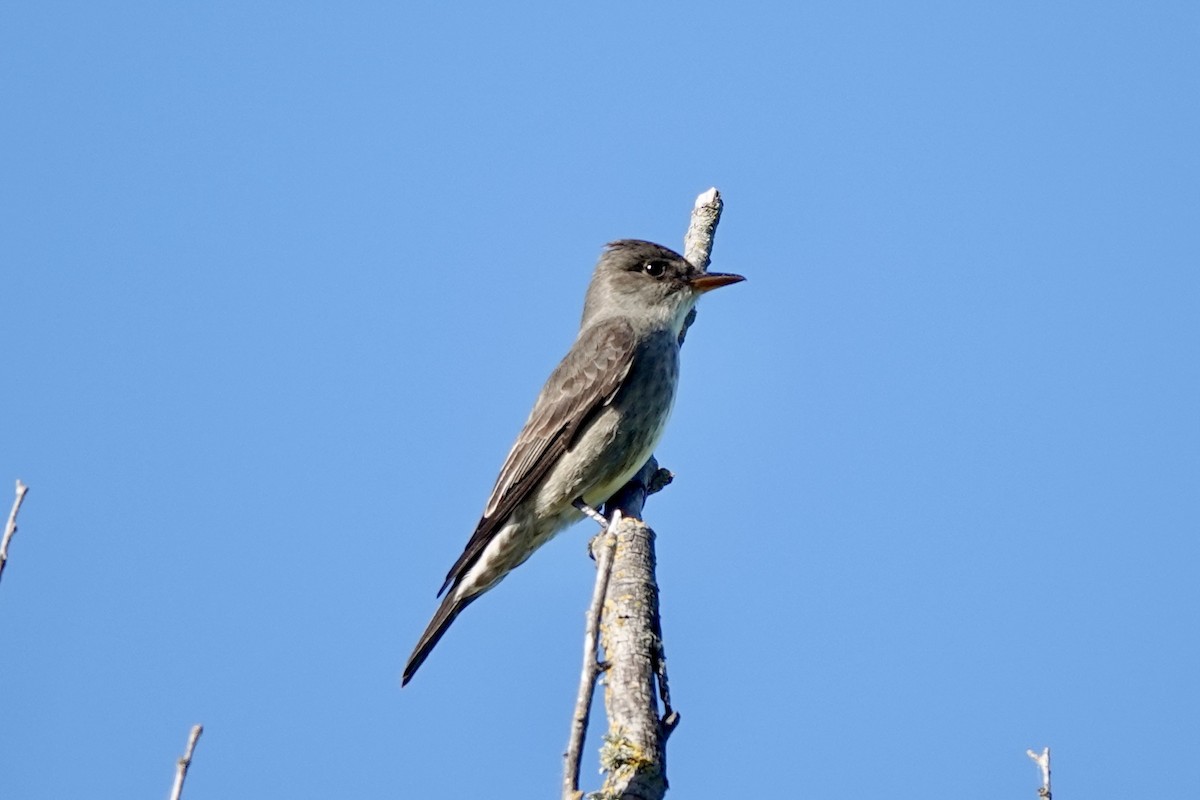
{"x":10,"y":527}
{"x":185,"y":761}
{"x":1043,"y":762}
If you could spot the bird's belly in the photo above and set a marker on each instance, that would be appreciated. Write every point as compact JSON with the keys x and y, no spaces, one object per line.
{"x":632,"y":446}
{"x":615,"y":444}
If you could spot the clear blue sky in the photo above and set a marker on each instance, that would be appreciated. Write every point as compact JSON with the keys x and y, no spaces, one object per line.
{"x":281,"y":281}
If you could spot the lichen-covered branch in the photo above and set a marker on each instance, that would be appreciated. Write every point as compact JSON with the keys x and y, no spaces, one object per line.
{"x":10,"y":527}
{"x":633,"y":756}
{"x":697,"y":243}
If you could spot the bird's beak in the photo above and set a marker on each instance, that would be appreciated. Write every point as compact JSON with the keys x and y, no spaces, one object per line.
{"x":714,"y":280}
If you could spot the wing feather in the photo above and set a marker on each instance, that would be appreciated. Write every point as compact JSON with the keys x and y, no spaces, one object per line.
{"x":585,"y":381}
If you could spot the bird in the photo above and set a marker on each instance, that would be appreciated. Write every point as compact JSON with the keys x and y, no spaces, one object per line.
{"x":597,"y":420}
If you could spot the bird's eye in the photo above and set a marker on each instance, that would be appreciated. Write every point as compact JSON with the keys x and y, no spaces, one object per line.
{"x":655,"y":268}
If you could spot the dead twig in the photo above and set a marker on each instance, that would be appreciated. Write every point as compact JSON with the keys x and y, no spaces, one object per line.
{"x":1043,"y":762}
{"x":602,"y":551}
{"x":185,"y":761}
{"x":10,"y":527}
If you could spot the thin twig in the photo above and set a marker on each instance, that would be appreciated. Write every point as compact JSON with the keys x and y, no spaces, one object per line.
{"x":10,"y":527}
{"x":1043,"y":762}
{"x":670,"y":717}
{"x":185,"y":761}
{"x":602,"y":550}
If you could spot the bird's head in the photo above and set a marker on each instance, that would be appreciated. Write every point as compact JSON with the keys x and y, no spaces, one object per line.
{"x":649,"y":284}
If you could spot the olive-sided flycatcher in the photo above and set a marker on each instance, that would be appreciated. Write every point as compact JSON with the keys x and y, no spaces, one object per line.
{"x":595,"y":423}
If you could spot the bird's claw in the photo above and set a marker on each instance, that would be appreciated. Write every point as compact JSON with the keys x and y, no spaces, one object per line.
{"x":587,"y":510}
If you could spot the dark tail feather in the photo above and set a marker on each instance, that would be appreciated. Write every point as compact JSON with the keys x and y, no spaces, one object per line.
{"x":446,"y":614}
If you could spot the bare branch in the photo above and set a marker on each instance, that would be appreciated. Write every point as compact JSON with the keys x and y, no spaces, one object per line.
{"x":634,"y":752}
{"x":697,"y":243}
{"x":1043,"y":762}
{"x":602,"y":551}
{"x":10,"y":527}
{"x":185,"y":761}
{"x":633,"y":756}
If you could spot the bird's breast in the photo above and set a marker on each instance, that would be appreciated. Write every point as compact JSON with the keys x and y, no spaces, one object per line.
{"x":622,"y":435}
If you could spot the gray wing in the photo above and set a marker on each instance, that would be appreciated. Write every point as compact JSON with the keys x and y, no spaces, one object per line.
{"x":582,"y":384}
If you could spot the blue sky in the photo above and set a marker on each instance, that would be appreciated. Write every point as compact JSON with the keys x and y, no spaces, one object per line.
{"x":280,"y":282}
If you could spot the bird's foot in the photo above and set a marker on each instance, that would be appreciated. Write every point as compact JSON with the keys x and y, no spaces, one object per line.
{"x":606,"y":536}
{"x":599,"y":518}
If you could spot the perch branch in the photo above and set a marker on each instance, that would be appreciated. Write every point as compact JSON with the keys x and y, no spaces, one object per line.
{"x":634,"y":755}
{"x":626,"y":613}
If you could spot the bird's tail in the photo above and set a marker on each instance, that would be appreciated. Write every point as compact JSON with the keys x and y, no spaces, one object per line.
{"x":450,"y":608}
